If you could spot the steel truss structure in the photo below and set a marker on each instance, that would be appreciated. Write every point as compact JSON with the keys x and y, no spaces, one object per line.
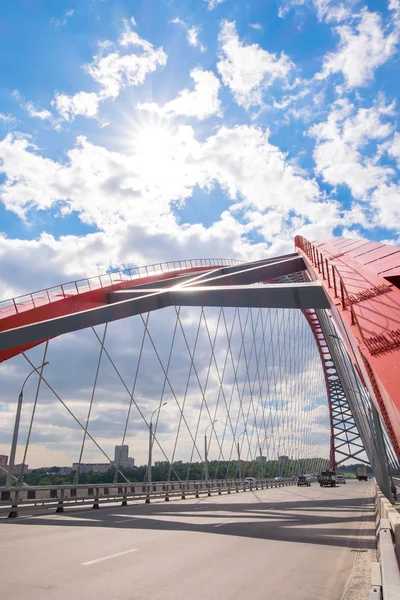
{"x":313,"y":280}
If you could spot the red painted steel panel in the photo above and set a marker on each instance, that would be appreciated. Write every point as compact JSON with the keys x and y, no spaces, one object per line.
{"x":362,"y":247}
{"x":366,"y":309}
{"x":379,"y":254}
{"x":76,"y":303}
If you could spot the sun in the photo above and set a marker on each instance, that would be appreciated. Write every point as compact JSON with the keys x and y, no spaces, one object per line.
{"x":153,"y":138}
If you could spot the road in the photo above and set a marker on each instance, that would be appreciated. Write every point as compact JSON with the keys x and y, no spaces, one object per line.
{"x":284,"y":543}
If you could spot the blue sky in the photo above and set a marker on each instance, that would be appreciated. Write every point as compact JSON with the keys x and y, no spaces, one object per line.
{"x":194,"y":127}
{"x":134,"y":132}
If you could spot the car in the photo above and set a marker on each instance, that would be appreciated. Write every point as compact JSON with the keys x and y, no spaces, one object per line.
{"x":278,"y":479}
{"x":340,"y":479}
{"x":250,"y":480}
{"x":302,"y":480}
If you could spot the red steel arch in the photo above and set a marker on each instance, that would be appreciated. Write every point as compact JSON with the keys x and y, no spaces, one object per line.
{"x":76,"y":296}
{"x":362,"y":282}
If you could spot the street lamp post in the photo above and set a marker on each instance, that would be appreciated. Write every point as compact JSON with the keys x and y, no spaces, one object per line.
{"x":279,"y":462}
{"x":261,"y":459}
{"x":10,"y":471}
{"x":205,"y":450}
{"x":151,"y":447}
{"x":238,"y":451}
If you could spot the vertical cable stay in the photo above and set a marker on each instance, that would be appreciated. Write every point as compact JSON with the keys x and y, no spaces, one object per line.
{"x":76,"y":479}
{"x":46,"y":346}
{"x":133,"y":400}
{"x":74,"y":417}
{"x":248,"y":380}
{"x":117,"y":462}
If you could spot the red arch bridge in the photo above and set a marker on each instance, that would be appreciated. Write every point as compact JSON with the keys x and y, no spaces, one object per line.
{"x":253,"y":350}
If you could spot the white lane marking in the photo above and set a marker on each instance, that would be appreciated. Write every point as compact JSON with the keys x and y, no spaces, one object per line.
{"x":126,"y":520}
{"x":221,"y":524}
{"x":97,"y":560}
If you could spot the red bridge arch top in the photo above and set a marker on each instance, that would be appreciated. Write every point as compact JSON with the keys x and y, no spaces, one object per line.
{"x":362,"y":282}
{"x":87,"y":293}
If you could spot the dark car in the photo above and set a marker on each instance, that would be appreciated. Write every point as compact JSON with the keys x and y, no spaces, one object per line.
{"x":302,"y":480}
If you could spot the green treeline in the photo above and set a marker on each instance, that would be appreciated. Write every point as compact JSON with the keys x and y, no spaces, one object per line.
{"x":183,"y":471}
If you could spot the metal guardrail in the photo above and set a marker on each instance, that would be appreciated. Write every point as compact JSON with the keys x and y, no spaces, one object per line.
{"x":386,"y":579}
{"x":33,"y":499}
{"x":45,"y":296}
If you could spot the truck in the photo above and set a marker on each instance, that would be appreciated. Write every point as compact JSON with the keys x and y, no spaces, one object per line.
{"x":362,"y":473}
{"x":327,"y":478}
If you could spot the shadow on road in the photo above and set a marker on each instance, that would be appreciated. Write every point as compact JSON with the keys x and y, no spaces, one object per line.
{"x":345,"y":522}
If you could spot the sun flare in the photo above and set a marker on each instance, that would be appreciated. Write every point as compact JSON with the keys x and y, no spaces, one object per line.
{"x":153,"y":138}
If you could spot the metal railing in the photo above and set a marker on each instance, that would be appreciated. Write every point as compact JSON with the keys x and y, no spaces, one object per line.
{"x":386,"y":578}
{"x":33,"y":499}
{"x":45,"y":296}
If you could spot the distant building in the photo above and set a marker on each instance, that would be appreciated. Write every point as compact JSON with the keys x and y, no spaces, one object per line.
{"x":3,"y":462}
{"x":65,"y":470}
{"x":4,"y":466}
{"x":122,"y":458}
{"x":283,"y":457}
{"x":121,"y":453}
{"x":17,"y":469}
{"x":91,"y":467}
{"x":261,"y":459}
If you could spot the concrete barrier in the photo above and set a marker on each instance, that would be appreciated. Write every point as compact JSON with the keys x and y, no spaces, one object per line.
{"x":388,"y":544}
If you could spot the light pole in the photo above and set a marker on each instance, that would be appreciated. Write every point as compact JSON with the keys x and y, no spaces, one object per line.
{"x":238,"y":451}
{"x":261,"y":458}
{"x":279,"y":462}
{"x":151,"y":444}
{"x":16,"y":427}
{"x":205,"y":450}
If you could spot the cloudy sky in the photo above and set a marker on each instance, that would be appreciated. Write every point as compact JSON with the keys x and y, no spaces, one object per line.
{"x":137,"y":132}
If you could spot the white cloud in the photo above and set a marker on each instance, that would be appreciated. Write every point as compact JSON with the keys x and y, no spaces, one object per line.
{"x":248,"y":70}
{"x":362,"y":49}
{"x":201,"y":103}
{"x":394,"y":6}
{"x":63,"y":21}
{"x":338,"y":153}
{"x":39,"y":113}
{"x":192,"y":35}
{"x":110,"y":188}
{"x":6,"y":118}
{"x":178,"y":21}
{"x":256,"y":26}
{"x":113,"y":71}
{"x":213,"y":3}
{"x":42,"y":114}
{"x":385,"y":202}
{"x":393,"y":148}
{"x":330,"y":11}
{"x":83,"y":103}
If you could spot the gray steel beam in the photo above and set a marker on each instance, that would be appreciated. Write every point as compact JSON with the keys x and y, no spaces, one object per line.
{"x":243,"y":274}
{"x":247,"y":274}
{"x":301,"y":295}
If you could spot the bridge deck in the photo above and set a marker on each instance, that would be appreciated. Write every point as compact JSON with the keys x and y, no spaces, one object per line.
{"x":287,"y":543}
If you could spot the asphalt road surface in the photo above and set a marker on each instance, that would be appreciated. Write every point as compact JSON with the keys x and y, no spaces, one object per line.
{"x":282,"y":544}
